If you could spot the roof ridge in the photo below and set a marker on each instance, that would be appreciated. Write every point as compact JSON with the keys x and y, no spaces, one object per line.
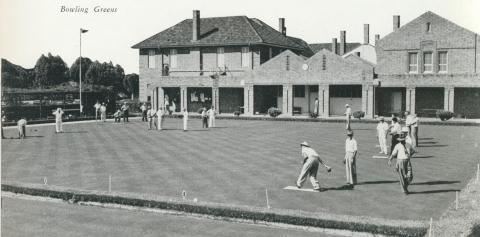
{"x":249,"y":23}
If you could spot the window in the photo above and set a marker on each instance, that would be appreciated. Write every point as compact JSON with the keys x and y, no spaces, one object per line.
{"x":245,"y":57}
{"x":221,"y":57}
{"x":173,"y":58}
{"x":442,"y":61}
{"x":428,"y":62}
{"x":324,"y":62}
{"x":412,"y":63}
{"x":428,"y":27}
{"x":299,"y":91}
{"x":151,"y":58}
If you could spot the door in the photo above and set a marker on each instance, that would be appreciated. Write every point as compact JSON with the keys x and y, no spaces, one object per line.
{"x":397,"y":101}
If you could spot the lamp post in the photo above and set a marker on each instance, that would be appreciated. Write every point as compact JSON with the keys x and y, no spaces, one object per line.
{"x":80,"y":71}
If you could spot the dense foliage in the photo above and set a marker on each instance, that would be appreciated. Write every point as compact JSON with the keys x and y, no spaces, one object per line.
{"x":274,"y":112}
{"x":51,"y":71}
{"x":444,"y":115}
{"x":358,"y":114}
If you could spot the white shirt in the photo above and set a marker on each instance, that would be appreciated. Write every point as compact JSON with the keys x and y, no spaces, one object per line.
{"x":396,"y":129}
{"x":150,"y":113}
{"x":349,"y":111}
{"x":409,"y":120}
{"x":408,"y":140}
{"x":308,"y":152}
{"x":204,"y":114}
{"x":415,"y":122}
{"x":382,"y":129}
{"x":97,"y":106}
{"x":400,"y":152}
{"x":22,"y":122}
{"x":159,"y":113}
{"x":185,"y":115}
{"x":142,"y":108}
{"x":58,"y":115}
{"x":211,"y":112}
{"x":103,"y":108}
{"x":350,"y":145}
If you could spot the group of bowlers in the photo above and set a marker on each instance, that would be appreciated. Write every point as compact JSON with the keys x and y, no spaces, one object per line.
{"x":404,"y":143}
{"x":156,"y":118}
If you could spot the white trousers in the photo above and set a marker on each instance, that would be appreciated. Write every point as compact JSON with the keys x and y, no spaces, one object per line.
{"x":159,"y":123}
{"x":58,"y":126}
{"x":185,"y":121}
{"x":382,"y":140}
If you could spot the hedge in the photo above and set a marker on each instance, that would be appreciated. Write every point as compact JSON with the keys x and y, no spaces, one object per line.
{"x":357,"y":224}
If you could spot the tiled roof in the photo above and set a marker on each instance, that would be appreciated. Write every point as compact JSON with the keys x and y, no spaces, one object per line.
{"x":307,"y":51}
{"x":215,"y":31}
{"x":328,"y":46}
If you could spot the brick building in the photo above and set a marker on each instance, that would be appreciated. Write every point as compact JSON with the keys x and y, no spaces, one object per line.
{"x":242,"y":64}
{"x":427,"y":64}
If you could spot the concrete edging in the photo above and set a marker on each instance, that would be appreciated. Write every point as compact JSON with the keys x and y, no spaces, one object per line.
{"x":291,"y":217}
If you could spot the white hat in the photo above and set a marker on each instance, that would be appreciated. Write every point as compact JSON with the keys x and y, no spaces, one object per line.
{"x":304,"y":144}
{"x":347,"y":105}
{"x":404,"y":129}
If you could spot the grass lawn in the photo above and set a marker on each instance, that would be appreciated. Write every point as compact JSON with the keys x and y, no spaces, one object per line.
{"x":237,"y":161}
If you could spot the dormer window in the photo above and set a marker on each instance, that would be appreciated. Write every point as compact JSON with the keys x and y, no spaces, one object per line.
{"x":428,"y":27}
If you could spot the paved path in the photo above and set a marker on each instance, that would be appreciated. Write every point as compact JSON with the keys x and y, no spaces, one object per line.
{"x":237,"y":161}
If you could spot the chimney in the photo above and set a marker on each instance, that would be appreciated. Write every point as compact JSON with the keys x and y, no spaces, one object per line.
{"x":281,"y":26}
{"x":196,"y":25}
{"x":334,"y":46}
{"x":396,"y":22}
{"x":377,"y":38}
{"x":342,"y":42}
{"x":366,"y":33}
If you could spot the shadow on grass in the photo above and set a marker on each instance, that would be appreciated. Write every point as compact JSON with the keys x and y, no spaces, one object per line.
{"x":422,"y":157}
{"x":432,"y":145}
{"x":378,"y":182}
{"x":75,"y":132}
{"x":436,"y":182}
{"x":427,"y":143}
{"x":436,"y":191}
{"x":425,"y":138}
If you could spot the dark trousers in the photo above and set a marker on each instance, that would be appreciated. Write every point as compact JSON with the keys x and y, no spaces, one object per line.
{"x":205,"y":122}
{"x":144,"y":116}
{"x":416,"y":135}
{"x":125,"y":116}
{"x":394,"y":142}
{"x":117,"y":119}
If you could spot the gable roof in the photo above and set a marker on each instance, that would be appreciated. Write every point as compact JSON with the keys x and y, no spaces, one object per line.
{"x":317,"y":47}
{"x":220,"y":31}
{"x":446,"y":34}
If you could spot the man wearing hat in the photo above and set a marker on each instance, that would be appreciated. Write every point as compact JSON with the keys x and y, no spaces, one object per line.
{"x":382,"y":132}
{"x":348,"y":114}
{"x":311,"y":159}
{"x":403,"y":166}
{"x":350,"y":158}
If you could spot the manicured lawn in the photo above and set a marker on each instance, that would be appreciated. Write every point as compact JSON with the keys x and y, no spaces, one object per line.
{"x":39,"y":218}
{"x":237,"y":161}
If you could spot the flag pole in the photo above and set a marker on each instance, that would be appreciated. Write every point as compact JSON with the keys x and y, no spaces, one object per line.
{"x":80,"y":72}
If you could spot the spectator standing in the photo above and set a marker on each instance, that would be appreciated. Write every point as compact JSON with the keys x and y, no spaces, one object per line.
{"x":348,"y":115}
{"x":173,"y":107}
{"x":185,"y":120}
{"x":211,"y":117}
{"x":414,"y":135}
{"x":58,"y":120}
{"x":160,"y":114}
{"x":395,"y":131}
{"x":151,"y":117}
{"x":315,"y":110}
{"x":22,"y":128}
{"x":311,"y":161}
{"x":125,"y":109}
{"x":96,"y":106}
{"x":408,"y":122}
{"x":143,"y":108}
{"x":204,"y":118}
{"x":4,"y":119}
{"x":103,"y":112}
{"x":350,"y":158}
{"x":382,"y":133}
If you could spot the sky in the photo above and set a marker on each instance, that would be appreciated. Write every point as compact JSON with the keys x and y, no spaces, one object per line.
{"x":29,"y":28}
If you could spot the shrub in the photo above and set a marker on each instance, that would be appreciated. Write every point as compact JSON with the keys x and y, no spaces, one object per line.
{"x":274,"y":112}
{"x":358,"y":114}
{"x":236,"y":113}
{"x":444,"y":115}
{"x":313,"y":115}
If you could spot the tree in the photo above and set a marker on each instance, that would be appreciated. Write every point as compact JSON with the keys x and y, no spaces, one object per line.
{"x":15,"y":76}
{"x":105,"y":74}
{"x":131,"y":84}
{"x":74,"y":69}
{"x":50,"y":70}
